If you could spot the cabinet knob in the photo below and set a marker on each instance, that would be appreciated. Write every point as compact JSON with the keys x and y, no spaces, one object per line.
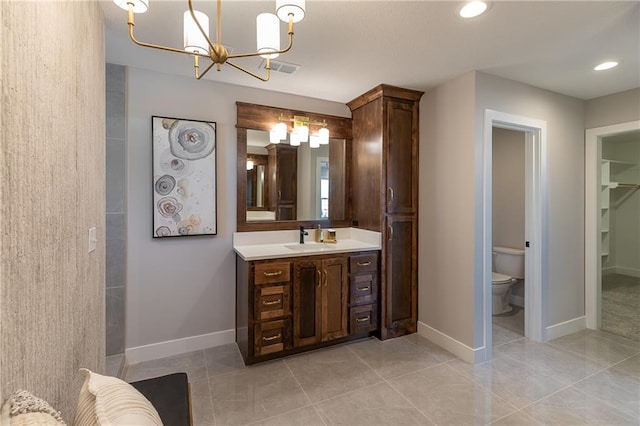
{"x":273,"y":302}
{"x":364,"y":288}
{"x":272,"y":274}
{"x":319,"y":277}
{"x":363,"y":319}
{"x":390,"y":194}
{"x":390,"y":232}
{"x":363,"y":263}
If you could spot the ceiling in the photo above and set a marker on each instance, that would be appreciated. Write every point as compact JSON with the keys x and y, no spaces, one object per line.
{"x":347,"y":47}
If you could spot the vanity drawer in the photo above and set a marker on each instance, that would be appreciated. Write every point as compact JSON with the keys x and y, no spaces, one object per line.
{"x":363,"y":318}
{"x":364,"y":289}
{"x":273,"y":272}
{"x":363,"y":263}
{"x":272,"y":336}
{"x":272,"y":302}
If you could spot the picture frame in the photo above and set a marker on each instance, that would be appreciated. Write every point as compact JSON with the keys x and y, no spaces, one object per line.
{"x":184,"y":177}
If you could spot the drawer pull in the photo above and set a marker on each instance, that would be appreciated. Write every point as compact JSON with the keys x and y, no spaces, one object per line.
{"x":363,"y":319}
{"x":268,"y":339}
{"x":272,"y":274}
{"x":363,"y":263}
{"x":364,"y":288}
{"x":273,"y":302}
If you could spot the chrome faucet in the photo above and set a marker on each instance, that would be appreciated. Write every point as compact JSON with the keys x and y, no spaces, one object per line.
{"x":302,"y":234}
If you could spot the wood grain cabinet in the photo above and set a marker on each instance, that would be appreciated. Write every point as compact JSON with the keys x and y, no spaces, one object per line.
{"x":320,"y":294}
{"x":285,"y":306}
{"x":385,"y":195}
{"x":363,"y":288}
{"x":283,"y":174}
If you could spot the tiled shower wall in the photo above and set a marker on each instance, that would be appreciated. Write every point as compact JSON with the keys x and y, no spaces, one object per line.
{"x":116,"y":164}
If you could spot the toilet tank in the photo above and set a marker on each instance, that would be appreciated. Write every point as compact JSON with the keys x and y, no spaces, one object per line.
{"x":509,"y":261}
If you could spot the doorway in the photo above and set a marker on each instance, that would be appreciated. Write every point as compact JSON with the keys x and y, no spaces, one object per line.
{"x":612,"y":232}
{"x":535,"y":140}
{"x":508,"y":234}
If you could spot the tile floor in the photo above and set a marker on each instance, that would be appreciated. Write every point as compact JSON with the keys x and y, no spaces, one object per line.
{"x":620,"y":305}
{"x":585,"y":378}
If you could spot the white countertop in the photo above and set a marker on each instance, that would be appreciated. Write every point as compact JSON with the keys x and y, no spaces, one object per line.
{"x":278,"y":244}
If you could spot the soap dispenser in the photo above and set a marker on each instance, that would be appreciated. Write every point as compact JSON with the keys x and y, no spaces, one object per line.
{"x":319,"y":238}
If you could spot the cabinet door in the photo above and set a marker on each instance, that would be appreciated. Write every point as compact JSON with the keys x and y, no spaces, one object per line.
{"x":400,"y":286}
{"x":334,"y":298}
{"x":287,"y":175}
{"x":401,"y":157}
{"x":307,"y":296}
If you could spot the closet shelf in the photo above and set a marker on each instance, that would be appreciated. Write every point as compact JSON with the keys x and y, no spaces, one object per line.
{"x":616,"y":185}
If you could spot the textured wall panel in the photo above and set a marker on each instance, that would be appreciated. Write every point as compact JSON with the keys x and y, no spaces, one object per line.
{"x":52,"y":192}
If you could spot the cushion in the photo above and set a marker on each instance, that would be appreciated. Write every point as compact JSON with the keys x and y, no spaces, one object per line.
{"x":24,"y":409}
{"x":170,"y":395}
{"x":109,"y":401}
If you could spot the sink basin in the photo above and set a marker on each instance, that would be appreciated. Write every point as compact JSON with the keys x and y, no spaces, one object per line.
{"x":311,"y":247}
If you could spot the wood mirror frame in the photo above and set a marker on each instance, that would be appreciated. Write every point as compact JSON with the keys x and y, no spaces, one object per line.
{"x":260,"y":117}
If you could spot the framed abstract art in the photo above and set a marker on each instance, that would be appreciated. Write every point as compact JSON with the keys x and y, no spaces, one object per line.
{"x":184,"y":177}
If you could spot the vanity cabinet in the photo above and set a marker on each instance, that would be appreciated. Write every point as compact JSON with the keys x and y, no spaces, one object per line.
{"x":290,"y":305}
{"x":283,"y":173}
{"x":385,"y":195}
{"x":320,"y":292}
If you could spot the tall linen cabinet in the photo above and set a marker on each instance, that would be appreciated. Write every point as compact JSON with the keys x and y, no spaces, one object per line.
{"x":385,"y":195}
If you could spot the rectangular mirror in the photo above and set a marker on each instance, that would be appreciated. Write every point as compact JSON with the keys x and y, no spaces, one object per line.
{"x":281,"y":186}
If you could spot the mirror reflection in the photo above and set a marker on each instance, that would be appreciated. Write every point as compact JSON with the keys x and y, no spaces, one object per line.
{"x":287,"y":182}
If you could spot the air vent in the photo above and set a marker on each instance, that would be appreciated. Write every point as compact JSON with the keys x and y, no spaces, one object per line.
{"x":281,"y":67}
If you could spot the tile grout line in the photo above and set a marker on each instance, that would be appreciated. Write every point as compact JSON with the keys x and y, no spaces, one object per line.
{"x":392,"y":387}
{"x":575,"y":383}
{"x":206,"y":367}
{"x":304,"y":392}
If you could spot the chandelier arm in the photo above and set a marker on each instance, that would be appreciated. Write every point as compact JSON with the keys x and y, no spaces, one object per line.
{"x":253,"y":74}
{"x":199,"y":76}
{"x":157,"y":46}
{"x":193,"y":16}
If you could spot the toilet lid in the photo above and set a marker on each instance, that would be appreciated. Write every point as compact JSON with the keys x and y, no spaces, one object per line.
{"x":498,"y":278}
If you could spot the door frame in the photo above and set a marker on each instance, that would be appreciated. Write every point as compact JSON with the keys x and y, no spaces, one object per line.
{"x":536,"y":201}
{"x":592,"y":243}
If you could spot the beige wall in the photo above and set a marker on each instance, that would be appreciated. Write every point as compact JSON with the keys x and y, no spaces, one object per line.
{"x":613,"y":109}
{"x":52,"y":192}
{"x":507,"y":197}
{"x":446,"y":209}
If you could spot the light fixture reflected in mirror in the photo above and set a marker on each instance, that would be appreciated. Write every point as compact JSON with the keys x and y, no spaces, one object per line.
{"x":249,"y":165}
{"x":300,"y":131}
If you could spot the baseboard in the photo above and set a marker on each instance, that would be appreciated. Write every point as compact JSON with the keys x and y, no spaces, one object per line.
{"x":631,"y":272}
{"x":567,"y":327}
{"x":517,"y":301}
{"x":179,"y":346}
{"x":457,"y":348}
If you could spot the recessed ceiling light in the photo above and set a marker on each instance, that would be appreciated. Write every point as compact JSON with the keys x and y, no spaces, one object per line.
{"x":472,"y":9}
{"x":605,"y":66}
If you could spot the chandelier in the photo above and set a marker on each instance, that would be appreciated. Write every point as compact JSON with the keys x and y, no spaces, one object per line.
{"x":198,"y":44}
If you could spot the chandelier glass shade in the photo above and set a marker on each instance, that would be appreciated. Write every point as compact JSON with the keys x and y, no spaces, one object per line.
{"x":198,"y":43}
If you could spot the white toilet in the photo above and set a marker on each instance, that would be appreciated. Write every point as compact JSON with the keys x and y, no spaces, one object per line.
{"x":508,"y":268}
